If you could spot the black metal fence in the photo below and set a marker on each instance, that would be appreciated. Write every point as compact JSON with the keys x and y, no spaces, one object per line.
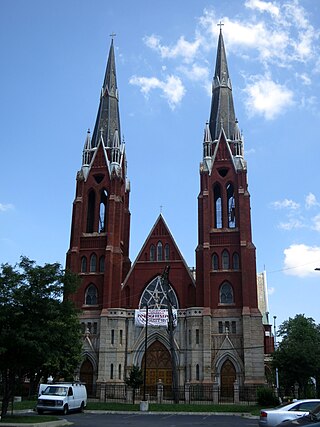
{"x":187,"y":394}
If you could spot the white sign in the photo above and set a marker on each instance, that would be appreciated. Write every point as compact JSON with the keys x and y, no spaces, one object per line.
{"x":156,"y":317}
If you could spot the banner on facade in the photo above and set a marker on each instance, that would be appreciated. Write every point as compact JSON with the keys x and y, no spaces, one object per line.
{"x":156,"y":317}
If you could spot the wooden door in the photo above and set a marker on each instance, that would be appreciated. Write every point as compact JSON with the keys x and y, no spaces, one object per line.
{"x":228,"y":377}
{"x":86,"y":376}
{"x":158,"y":364}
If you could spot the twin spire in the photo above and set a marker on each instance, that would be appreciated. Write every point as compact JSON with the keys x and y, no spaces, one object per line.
{"x":107,"y":127}
{"x":222,"y":115}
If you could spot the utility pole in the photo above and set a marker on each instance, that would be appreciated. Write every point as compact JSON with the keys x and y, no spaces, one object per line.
{"x":145,"y":355}
{"x":275,"y":346}
{"x":170,"y":330}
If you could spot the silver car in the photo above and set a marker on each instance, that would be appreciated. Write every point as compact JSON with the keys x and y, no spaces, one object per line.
{"x":273,"y":417}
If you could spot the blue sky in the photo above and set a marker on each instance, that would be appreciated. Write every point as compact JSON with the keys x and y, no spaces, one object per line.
{"x":53,"y":57}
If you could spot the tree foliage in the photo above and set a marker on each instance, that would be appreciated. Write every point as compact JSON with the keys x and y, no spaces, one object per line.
{"x":135,"y":380}
{"x":39,"y":326}
{"x":298,"y":354}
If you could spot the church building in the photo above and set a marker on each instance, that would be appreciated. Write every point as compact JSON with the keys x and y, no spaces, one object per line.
{"x":219,"y":336}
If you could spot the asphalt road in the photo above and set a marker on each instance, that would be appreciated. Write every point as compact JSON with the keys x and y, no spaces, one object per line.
{"x":159,"y":420}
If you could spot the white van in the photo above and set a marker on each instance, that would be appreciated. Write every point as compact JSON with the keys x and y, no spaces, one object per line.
{"x":62,"y":397}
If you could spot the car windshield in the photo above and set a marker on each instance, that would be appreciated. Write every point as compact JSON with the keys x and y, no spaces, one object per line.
{"x":55,"y":391}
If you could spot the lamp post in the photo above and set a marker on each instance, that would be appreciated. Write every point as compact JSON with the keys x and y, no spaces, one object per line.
{"x":275,"y":346}
{"x":145,"y":355}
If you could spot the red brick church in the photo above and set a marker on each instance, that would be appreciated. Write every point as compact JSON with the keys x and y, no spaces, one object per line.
{"x":219,"y":337}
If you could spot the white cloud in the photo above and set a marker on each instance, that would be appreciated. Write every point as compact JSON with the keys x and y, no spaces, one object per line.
{"x":267,"y":98}
{"x":311,"y":201}
{"x":263,"y":6}
{"x":304,"y":78}
{"x":271,"y":290}
{"x":291,"y":224}
{"x":301,"y":260}
{"x":4,"y":207}
{"x":316,"y":223}
{"x":195,"y":72}
{"x":285,"y":204}
{"x":184,"y":49}
{"x":172,"y":88}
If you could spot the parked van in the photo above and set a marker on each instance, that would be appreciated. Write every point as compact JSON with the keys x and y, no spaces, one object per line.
{"x":62,"y":397}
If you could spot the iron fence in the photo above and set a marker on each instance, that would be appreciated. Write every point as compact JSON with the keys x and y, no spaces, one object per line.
{"x":187,"y":394}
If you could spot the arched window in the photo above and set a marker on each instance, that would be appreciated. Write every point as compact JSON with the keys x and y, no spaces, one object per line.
{"x":83,"y":264}
{"x":101,"y":264}
{"x":231,"y":206}
{"x":235,"y":261}
{"x":159,"y":251}
{"x":215,"y":262}
{"x":157,"y":293}
{"x":93,"y":263}
{"x":166,"y":252}
{"x":226,"y":293}
{"x":103,"y":211}
{"x":90,"y":215}
{"x":197,"y":373}
{"x":152,"y":253}
{"x":217,"y":206}
{"x":225,"y":260}
{"x":91,"y":295}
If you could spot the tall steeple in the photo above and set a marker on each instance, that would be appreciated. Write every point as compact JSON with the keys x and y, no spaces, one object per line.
{"x":222,"y":110}
{"x":108,"y":119}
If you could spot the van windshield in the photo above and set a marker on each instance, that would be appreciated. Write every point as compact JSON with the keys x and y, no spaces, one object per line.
{"x":55,"y":391}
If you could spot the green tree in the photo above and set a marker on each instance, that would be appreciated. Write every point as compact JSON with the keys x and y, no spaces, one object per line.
{"x":135,"y":380}
{"x":39,"y":326}
{"x":298,"y":354}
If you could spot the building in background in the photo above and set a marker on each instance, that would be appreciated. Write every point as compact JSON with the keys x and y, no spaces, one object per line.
{"x":220,"y":337}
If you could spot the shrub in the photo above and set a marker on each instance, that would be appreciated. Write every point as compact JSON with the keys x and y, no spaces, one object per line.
{"x":266,"y":397}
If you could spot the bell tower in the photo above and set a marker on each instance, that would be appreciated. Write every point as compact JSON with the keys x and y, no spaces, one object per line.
{"x":226,"y":279}
{"x":99,"y":243}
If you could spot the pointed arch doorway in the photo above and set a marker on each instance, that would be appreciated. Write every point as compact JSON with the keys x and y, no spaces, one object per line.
{"x":86,"y":376}
{"x":228,"y":377}
{"x":159,"y":364}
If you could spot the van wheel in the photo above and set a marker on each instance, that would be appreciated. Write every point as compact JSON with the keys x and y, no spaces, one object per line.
{"x":40,"y":411}
{"x":82,"y":407}
{"x":65,"y":410}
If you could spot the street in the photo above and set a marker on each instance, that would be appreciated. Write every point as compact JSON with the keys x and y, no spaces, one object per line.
{"x":159,"y":420}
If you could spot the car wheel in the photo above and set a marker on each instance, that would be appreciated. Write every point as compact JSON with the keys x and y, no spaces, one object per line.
{"x":40,"y":411}
{"x":82,"y":407}
{"x":65,"y":410}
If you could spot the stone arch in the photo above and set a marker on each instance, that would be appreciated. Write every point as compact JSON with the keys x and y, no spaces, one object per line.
{"x":159,"y":364}
{"x":88,"y":373}
{"x":228,"y":377}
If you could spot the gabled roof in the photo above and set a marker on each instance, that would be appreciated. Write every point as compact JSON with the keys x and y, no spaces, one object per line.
{"x":159,"y":222}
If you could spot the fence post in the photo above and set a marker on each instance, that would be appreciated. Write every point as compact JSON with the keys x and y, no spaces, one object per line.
{"x":215,"y":392}
{"x":236,"y":398}
{"x":187,"y":392}
{"x":296,"y":390}
{"x":159,"y":391}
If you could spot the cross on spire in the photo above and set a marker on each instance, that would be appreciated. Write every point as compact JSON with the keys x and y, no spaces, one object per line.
{"x":220,"y":25}
{"x":112,"y":35}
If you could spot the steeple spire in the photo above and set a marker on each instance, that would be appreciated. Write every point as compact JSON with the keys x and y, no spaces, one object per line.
{"x":108,"y":119}
{"x":222,"y":111}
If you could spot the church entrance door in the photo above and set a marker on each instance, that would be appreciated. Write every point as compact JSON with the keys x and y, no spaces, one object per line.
{"x":158,"y":364}
{"x":228,"y":377}
{"x":86,"y":376}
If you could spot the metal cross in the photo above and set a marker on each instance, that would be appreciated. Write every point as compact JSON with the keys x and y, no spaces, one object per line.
{"x":114,"y":34}
{"x":220,"y":25}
